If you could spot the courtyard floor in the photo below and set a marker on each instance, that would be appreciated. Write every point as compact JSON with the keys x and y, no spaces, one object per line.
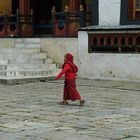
{"x":31,"y":111}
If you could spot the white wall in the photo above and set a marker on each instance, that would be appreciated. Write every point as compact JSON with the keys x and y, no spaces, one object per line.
{"x":58,"y":47}
{"x":108,"y":66}
{"x":109,"y":12}
{"x":7,"y":42}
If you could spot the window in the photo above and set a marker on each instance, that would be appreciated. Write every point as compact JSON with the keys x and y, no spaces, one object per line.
{"x":130,"y":12}
{"x":136,"y":9}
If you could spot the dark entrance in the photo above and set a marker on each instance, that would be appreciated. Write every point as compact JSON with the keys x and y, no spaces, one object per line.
{"x":42,"y":15}
{"x":15,"y":6}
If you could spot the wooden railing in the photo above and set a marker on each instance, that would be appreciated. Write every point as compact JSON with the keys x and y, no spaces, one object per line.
{"x":26,"y":24}
{"x":14,"y":25}
{"x":67,"y":23}
{"x":9,"y":25}
{"x":114,"y":41}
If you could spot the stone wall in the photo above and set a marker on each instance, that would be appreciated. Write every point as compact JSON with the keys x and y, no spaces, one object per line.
{"x":109,"y":12}
{"x":7,"y":42}
{"x":110,"y":66}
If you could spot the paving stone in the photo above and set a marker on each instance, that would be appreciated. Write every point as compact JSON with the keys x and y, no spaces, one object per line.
{"x":31,"y":111}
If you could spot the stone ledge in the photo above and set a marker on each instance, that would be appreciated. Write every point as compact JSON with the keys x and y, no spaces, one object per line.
{"x":16,"y":81}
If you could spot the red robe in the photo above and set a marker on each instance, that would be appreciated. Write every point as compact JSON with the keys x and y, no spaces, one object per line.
{"x":69,"y":70}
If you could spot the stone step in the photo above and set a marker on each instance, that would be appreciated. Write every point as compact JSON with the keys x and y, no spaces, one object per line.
{"x":29,"y":73}
{"x":23,"y":56}
{"x":19,"y":50}
{"x":27,"y":67}
{"x":22,"y":80}
{"x":22,"y":45}
{"x":27,"y":41}
{"x":27,"y":61}
{"x":3,"y":62}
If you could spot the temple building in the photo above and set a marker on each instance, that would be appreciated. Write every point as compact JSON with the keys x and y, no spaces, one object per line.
{"x":44,"y":17}
{"x":103,"y":35}
{"x":63,"y":17}
{"x":110,"y":49}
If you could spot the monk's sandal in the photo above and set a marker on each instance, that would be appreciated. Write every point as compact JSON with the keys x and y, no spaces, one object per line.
{"x":63,"y":103}
{"x":82,"y":102}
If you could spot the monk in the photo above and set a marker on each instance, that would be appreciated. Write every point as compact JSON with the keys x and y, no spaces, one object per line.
{"x":69,"y":69}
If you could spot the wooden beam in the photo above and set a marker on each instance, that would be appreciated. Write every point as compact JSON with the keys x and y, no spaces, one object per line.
{"x":24,"y":6}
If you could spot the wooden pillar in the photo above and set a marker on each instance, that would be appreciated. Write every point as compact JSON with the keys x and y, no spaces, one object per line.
{"x":98,"y":40}
{"x":112,"y":40}
{"x":126,"y":40}
{"x":119,"y":43}
{"x":105,"y":41}
{"x":25,"y":18}
{"x":24,"y":6}
{"x":74,"y":5}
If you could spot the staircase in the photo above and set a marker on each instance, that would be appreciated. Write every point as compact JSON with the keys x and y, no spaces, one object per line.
{"x":25,"y":63}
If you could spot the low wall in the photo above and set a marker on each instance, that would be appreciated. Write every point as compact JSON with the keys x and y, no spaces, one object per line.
{"x":109,"y":66}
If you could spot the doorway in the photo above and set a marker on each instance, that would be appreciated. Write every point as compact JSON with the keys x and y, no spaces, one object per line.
{"x":42,"y":15}
{"x":15,"y":6}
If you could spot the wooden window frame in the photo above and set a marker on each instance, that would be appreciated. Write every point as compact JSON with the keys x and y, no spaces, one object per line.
{"x":135,"y":9}
{"x":127,"y":15}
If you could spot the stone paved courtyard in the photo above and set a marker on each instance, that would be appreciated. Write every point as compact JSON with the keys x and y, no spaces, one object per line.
{"x":31,"y":111}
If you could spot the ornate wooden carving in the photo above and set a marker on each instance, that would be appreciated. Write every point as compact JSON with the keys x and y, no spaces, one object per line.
{"x":8,"y":25}
{"x":74,"y":5}
{"x":118,"y":41}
